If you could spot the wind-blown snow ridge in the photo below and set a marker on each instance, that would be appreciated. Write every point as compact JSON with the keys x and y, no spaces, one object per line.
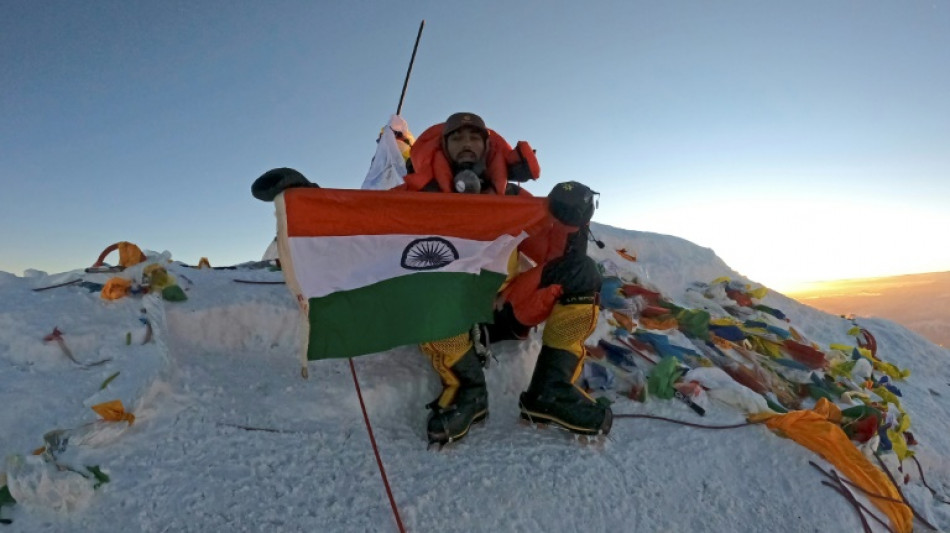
{"x":229,"y":437}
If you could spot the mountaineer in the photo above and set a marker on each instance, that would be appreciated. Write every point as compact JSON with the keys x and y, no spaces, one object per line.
{"x":463,"y":155}
{"x":550,"y":280}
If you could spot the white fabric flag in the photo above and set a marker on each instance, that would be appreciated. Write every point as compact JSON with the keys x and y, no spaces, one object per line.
{"x":388,"y":167}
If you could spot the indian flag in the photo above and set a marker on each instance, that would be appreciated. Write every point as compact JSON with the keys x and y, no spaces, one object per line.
{"x":373,"y":270}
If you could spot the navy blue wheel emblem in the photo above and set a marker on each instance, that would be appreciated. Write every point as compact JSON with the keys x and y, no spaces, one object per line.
{"x":428,"y":253}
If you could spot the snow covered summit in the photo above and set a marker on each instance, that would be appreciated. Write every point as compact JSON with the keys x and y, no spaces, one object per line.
{"x":228,"y":436}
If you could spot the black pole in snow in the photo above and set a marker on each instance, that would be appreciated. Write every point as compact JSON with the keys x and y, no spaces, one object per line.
{"x":412,"y":60}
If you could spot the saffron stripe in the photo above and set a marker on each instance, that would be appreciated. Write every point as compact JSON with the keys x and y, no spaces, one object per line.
{"x":338,"y":212}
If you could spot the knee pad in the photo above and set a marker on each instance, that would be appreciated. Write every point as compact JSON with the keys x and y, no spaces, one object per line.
{"x":569,"y":326}
{"x":448,"y":351}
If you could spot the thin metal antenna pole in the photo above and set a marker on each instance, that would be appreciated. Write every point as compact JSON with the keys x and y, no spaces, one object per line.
{"x":412,"y":60}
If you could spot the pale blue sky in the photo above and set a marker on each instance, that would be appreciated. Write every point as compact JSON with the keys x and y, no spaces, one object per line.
{"x":799,"y":140}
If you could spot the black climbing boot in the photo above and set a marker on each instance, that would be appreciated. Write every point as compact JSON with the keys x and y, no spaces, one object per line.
{"x":553,"y":398}
{"x":454,"y":413}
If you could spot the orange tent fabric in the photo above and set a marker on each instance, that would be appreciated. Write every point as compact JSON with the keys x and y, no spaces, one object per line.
{"x":627,"y":255}
{"x":818,"y":431}
{"x":116,"y":288}
{"x":658,"y":323}
{"x":129,"y":254}
{"x":114,"y":411}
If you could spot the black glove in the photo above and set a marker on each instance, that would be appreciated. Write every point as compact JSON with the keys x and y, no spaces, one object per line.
{"x":274,"y":182}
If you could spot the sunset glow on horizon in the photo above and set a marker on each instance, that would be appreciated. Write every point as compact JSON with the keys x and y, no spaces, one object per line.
{"x":801,"y":141}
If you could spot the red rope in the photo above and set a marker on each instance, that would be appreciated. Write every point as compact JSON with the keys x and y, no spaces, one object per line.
{"x":372,"y":439}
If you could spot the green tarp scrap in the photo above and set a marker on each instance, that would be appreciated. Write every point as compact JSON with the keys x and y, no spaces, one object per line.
{"x":694,"y":323}
{"x":663,"y":376}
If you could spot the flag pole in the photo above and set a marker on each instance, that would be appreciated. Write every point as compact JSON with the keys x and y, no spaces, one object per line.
{"x":412,"y":60}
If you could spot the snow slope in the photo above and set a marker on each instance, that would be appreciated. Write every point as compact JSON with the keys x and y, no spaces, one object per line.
{"x":229,"y":437}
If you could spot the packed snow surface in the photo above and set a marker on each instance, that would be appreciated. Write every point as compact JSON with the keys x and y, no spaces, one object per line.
{"x":228,"y":436}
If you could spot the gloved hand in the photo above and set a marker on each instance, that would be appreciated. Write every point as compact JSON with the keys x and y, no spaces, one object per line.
{"x":274,"y":182}
{"x":522,"y":163}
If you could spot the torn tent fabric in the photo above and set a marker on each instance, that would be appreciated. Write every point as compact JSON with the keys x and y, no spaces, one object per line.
{"x":767,"y":328}
{"x":769,"y":310}
{"x":887,"y":368}
{"x":658,"y":323}
{"x":818,"y":431}
{"x":373,"y":270}
{"x":624,"y":253}
{"x":861,"y":422}
{"x":116,"y":288}
{"x":630,"y":290}
{"x":623,"y":321}
{"x":765,"y":346}
{"x":113,"y":411}
{"x":805,"y":354}
{"x":727,"y":390}
{"x":661,"y":345}
{"x":618,"y":355}
{"x":867,"y":341}
{"x":610,"y":295}
{"x":740,"y":298}
{"x":694,"y":323}
{"x":129,"y":254}
{"x":730,"y":333}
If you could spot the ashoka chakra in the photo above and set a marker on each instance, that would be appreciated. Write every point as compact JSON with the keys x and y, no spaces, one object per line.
{"x":429,"y":253}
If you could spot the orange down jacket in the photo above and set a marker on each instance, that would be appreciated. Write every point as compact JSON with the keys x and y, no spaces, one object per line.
{"x":430,"y":163}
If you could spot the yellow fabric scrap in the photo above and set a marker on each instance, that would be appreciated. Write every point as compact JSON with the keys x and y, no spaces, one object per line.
{"x":866,"y":353}
{"x":759,"y":293}
{"x":722,"y":279}
{"x":116,"y":288}
{"x":851,"y":395}
{"x":843,"y":347}
{"x":724,"y":321}
{"x":898,"y":441}
{"x":766,"y":347}
{"x":841,"y":369}
{"x":816,"y":430}
{"x":158,"y":277}
{"x":796,"y":335}
{"x":113,"y":411}
{"x":855,"y":331}
{"x":888,"y":397}
{"x":899,"y":444}
{"x":904,"y":424}
{"x":891,"y":370}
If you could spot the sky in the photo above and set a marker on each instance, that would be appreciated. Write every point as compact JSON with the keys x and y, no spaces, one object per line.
{"x":746,"y":127}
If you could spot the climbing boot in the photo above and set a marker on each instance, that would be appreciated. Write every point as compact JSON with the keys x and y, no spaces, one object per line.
{"x":552,"y":397}
{"x":464,"y":398}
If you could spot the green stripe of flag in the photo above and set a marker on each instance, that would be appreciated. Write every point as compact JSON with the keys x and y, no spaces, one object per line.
{"x":411,"y":309}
